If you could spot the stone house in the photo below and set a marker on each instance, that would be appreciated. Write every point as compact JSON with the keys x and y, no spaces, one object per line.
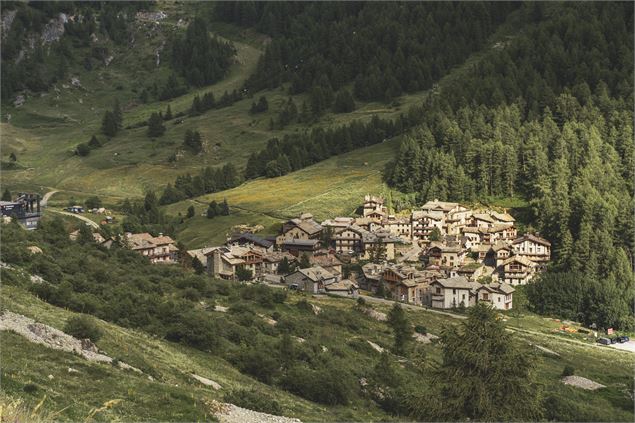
{"x":518,"y":270}
{"x":158,"y":249}
{"x":533,"y":247}
{"x":312,"y":279}
{"x":302,"y":228}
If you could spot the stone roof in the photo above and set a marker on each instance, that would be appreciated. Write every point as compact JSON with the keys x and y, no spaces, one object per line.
{"x":251,"y":238}
{"x":316,"y":273}
{"x":459,"y":282}
{"x":308,"y":225}
{"x":519,"y":259}
{"x":144,"y":241}
{"x":532,"y":238}
{"x":439,"y":205}
{"x":502,"y":217}
{"x":300,"y":242}
{"x":343,"y":285}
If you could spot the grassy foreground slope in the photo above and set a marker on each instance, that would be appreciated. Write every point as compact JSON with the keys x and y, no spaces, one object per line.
{"x":334,"y":187}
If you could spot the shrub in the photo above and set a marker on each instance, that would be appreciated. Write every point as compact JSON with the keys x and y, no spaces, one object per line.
{"x":83,"y":327}
{"x":30,"y":388}
{"x":568,"y":370}
{"x":421,"y":329}
{"x":361,"y":302}
{"x":254,"y":400}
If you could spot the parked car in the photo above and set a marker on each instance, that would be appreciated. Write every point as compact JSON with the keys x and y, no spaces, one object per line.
{"x":604,"y":341}
{"x":622,"y":339}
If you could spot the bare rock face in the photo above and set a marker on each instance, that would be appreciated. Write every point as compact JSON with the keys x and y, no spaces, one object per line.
{"x":207,"y":382}
{"x":50,"y":337}
{"x":19,"y":100}
{"x":7,"y":21}
{"x":54,"y":30}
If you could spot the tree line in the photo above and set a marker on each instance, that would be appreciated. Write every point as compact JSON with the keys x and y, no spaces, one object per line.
{"x":569,"y":154}
{"x":384,"y":49}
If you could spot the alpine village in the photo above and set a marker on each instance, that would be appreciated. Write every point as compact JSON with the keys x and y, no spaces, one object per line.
{"x":285,"y":212}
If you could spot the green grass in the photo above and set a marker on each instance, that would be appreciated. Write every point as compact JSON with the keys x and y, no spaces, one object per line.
{"x":330,"y":188}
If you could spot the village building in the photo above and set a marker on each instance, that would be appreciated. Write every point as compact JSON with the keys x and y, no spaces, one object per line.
{"x":271,"y":261}
{"x":397,"y":226}
{"x":158,"y":249}
{"x":297,"y":247}
{"x":302,"y":228}
{"x":247,"y":239}
{"x":373,"y":207}
{"x":327,"y":260}
{"x":223,"y":262}
{"x":452,"y":292}
{"x":533,"y":247}
{"x":518,"y":270}
{"x":355,"y":240}
{"x":372,"y":273}
{"x":345,"y":286}
{"x":440,"y":254}
{"x":499,"y":296}
{"x":312,"y":280}
{"x":338,"y":223}
{"x":405,"y":283}
{"x":424,"y":223}
{"x":471,"y":271}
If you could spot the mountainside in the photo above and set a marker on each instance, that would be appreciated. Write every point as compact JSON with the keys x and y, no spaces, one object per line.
{"x":314,"y":358}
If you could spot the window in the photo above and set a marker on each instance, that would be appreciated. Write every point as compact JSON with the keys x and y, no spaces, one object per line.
{"x":454,"y":292}
{"x":438,"y":290}
{"x":499,"y":299}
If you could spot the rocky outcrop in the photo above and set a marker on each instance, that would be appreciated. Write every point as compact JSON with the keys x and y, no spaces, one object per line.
{"x":207,"y":382}
{"x":50,"y":337}
{"x":54,"y":30}
{"x":7,"y":21}
{"x":230,"y":413}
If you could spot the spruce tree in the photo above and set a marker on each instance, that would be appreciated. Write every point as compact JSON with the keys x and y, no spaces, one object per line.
{"x":486,"y":374}
{"x":401,"y":327}
{"x":155,"y":125}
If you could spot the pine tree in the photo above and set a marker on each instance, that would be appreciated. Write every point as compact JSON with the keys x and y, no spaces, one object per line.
{"x":212,"y":210}
{"x":109,"y":126}
{"x":190,"y":212}
{"x":224,"y":208}
{"x":401,"y":327}
{"x":168,"y":113}
{"x":304,"y":262}
{"x":481,"y":361}
{"x":155,"y":125}
{"x":118,"y":114}
{"x":94,"y":142}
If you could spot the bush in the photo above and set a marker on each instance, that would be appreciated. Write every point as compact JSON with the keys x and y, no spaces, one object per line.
{"x":421,"y":329}
{"x":83,"y":327}
{"x":254,"y":400}
{"x":568,"y":370}
{"x":30,"y":388}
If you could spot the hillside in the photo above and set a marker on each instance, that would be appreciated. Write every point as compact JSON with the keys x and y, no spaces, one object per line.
{"x":339,"y":331}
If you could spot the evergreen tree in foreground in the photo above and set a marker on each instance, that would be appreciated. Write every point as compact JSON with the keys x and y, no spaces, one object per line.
{"x":486,"y":375}
{"x":401,"y":327}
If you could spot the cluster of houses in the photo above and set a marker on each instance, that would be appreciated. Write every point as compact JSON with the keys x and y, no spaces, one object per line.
{"x":443,"y":255}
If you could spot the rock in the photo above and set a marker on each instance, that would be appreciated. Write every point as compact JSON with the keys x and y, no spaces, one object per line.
{"x":377,"y":315}
{"x":363,"y":381}
{"x":71,"y":370}
{"x":230,"y":413}
{"x":93,"y":38}
{"x":375,"y":346}
{"x":53,"y":338}
{"x":206,"y":382}
{"x":324,"y":349}
{"x":151,"y":16}
{"x":7,"y":21}
{"x":316,"y":309}
{"x":108,"y":59}
{"x":50,"y":377}
{"x":150,"y":378}
{"x":300,"y":340}
{"x":75,"y":82}
{"x":37,"y":279}
{"x":34,"y":249}
{"x":221,"y":308}
{"x":19,"y":100}
{"x":54,"y":30}
{"x":582,"y":382}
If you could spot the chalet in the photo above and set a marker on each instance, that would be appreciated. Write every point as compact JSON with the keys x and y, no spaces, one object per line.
{"x":498,"y":253}
{"x":373,"y":207}
{"x":445,"y":255}
{"x":405,"y":283}
{"x":25,"y":209}
{"x":222,"y":262}
{"x":300,"y":246}
{"x":359,"y":241}
{"x":518,"y":270}
{"x":534,"y":247}
{"x":338,"y":223}
{"x":272,"y":259}
{"x":397,"y":226}
{"x":159,"y":249}
{"x":482,"y":220}
{"x":327,"y":260}
{"x":311,"y":279}
{"x":371,"y":276}
{"x":247,"y":239}
{"x":423,"y":223}
{"x":303,"y":228}
{"x":452,"y":292}
{"x":502,"y":232}
{"x":441,"y":208}
{"x":498,"y":295}
{"x":471,"y":271}
{"x":343,"y":286}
